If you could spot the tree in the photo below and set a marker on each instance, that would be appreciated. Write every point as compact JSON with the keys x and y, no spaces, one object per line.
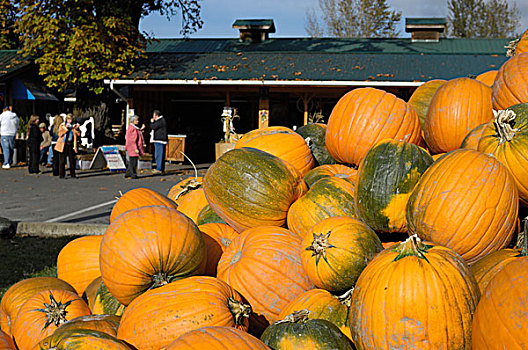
{"x":481,"y":19}
{"x":353,"y":18}
{"x":8,"y":37}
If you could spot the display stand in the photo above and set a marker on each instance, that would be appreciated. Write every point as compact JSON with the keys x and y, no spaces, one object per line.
{"x":108,"y":156}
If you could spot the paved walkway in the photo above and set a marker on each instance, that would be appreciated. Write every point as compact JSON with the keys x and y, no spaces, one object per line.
{"x":43,"y":197}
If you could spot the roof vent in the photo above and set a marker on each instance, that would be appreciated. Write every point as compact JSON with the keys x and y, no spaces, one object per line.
{"x":254,"y":30}
{"x":426,"y":29}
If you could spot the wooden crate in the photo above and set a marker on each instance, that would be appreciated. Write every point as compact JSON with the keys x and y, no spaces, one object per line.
{"x":175,"y":147}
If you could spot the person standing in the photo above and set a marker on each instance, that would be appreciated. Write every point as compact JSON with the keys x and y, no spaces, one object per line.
{"x":67,"y":145}
{"x":159,"y":138}
{"x":133,"y":146}
{"x":8,"y":130}
{"x":54,"y":131}
{"x":45,"y":144}
{"x":33,"y":141}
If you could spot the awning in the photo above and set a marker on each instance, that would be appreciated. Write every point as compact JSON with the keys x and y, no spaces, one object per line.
{"x":30,"y":91}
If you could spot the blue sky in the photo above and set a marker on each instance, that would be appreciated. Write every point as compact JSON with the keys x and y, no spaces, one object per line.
{"x":288,"y":15}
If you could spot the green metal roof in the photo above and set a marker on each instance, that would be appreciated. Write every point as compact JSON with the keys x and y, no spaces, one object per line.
{"x":326,"y":59}
{"x":11,"y":61}
{"x":425,"y":21}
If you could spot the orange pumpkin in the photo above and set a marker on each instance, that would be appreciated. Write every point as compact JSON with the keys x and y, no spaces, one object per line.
{"x":451,"y":204}
{"x":501,"y":318}
{"x":365,"y":116}
{"x":283,"y":143}
{"x":148,"y":247}
{"x":217,"y":238}
{"x":100,"y":301}
{"x":331,"y":170}
{"x":217,"y":338}
{"x":488,"y":266}
{"x":20,"y":292}
{"x":78,"y":262}
{"x":421,"y":97}
{"x":414,"y":296}
{"x":139,"y":197}
{"x":185,"y":187}
{"x":43,"y":313}
{"x":336,"y":250}
{"x":457,"y":107}
{"x":156,"y":318}
{"x":3,"y":322}
{"x":472,"y":139}
{"x":193,"y":203}
{"x":6,"y":342}
{"x":264,"y":265}
{"x":487,"y":77}
{"x":103,"y":323}
{"x":328,"y":197}
{"x":511,"y":85}
{"x":522,"y":44}
{"x":322,"y":305}
{"x":82,"y":339}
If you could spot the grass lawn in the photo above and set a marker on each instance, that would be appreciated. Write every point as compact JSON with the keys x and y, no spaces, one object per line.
{"x":25,"y":257}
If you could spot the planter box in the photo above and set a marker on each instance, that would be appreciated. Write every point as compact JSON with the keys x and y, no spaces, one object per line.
{"x":223,"y":147}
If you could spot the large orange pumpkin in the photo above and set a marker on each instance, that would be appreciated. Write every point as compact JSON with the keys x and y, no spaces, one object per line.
{"x":501,"y":318}
{"x":336,"y":250}
{"x":283,"y":143}
{"x":217,"y":238}
{"x":247,"y":188}
{"x":148,"y":247}
{"x":78,"y":262}
{"x":21,"y":291}
{"x":264,"y":265}
{"x":139,"y":197}
{"x":414,"y":296}
{"x":487,"y":77}
{"x":43,"y":313}
{"x":421,"y":97}
{"x":507,"y":139}
{"x":511,"y":85}
{"x":217,"y":338}
{"x":466,"y":201}
{"x":156,"y":318}
{"x":365,"y":116}
{"x":6,"y":342}
{"x":457,"y":107}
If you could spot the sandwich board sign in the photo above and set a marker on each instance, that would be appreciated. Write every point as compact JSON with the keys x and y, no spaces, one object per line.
{"x":110,"y":156}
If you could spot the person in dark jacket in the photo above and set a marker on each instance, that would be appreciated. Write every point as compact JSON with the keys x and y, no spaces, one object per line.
{"x":33,"y":141}
{"x":54,"y":131}
{"x":159,"y":138}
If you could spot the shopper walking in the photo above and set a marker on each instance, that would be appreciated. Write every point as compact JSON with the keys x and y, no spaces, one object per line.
{"x":67,"y":145}
{"x":33,"y":141}
{"x":8,"y":130}
{"x":159,"y":139}
{"x":133,"y":146}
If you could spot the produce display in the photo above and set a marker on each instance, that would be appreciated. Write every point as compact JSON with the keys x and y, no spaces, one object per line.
{"x":396,"y":225}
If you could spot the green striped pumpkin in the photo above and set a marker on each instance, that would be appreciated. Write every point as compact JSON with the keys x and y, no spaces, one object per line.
{"x":386,"y":178}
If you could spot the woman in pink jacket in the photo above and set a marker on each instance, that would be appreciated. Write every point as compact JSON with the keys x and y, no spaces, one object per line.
{"x":133,"y":146}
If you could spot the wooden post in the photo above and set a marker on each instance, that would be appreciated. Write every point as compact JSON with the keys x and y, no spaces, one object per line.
{"x":306,"y":100}
{"x":263,"y":114}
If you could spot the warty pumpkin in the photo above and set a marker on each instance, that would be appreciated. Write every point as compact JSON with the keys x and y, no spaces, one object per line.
{"x":422,"y":96}
{"x":159,"y":316}
{"x":466,"y":201}
{"x":329,"y":170}
{"x":386,"y":177}
{"x":247,"y":188}
{"x":139,"y":197}
{"x":43,"y":313}
{"x":78,"y":262}
{"x":507,"y":139}
{"x":511,"y":84}
{"x":364,"y":116}
{"x":457,"y":107}
{"x":414,"y":296}
{"x":148,"y":247}
{"x":336,"y":250}
{"x":264,"y":265}
{"x":217,"y":338}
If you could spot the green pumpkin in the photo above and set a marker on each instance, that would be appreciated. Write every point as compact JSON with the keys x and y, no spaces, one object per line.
{"x":81,"y":339}
{"x":247,"y":188}
{"x":296,"y":331}
{"x":386,"y":177}
{"x":208,"y":216}
{"x":316,"y":132}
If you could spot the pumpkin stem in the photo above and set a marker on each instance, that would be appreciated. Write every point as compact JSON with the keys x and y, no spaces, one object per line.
{"x":55,"y":312}
{"x":300,"y":316}
{"x":511,"y":46}
{"x":504,"y":121}
{"x":413,"y":246}
{"x":160,"y":279}
{"x":239,"y":310}
{"x":346,"y":299}
{"x":522,"y":242}
{"x":194,"y":166}
{"x":319,"y":246}
{"x":191,"y":185}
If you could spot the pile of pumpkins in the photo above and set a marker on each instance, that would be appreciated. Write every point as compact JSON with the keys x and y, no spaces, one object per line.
{"x":394,"y":226}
